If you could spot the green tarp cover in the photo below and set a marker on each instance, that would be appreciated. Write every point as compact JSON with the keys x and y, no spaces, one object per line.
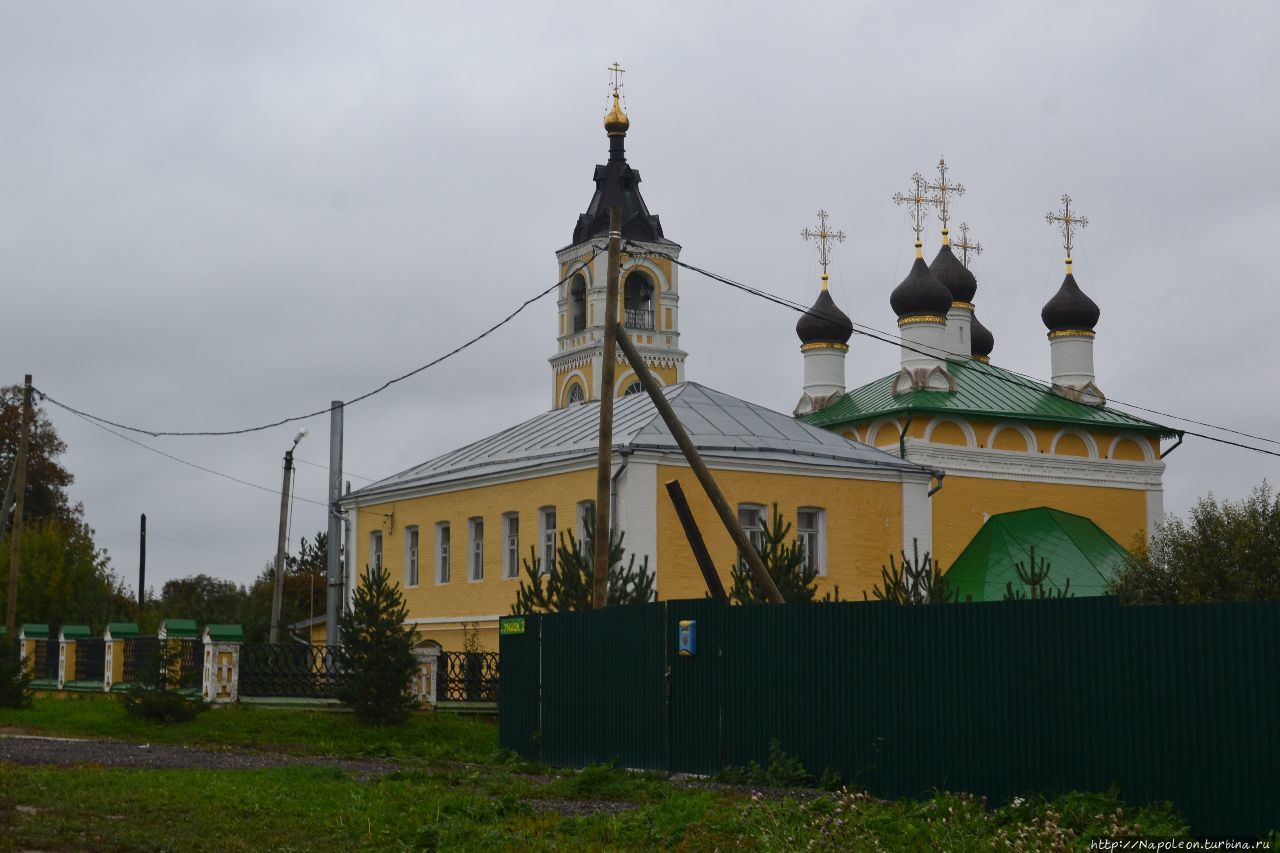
{"x":32,"y":631}
{"x":1075,"y":547}
{"x":76,"y":632}
{"x":122,"y":630}
{"x":180,"y":627}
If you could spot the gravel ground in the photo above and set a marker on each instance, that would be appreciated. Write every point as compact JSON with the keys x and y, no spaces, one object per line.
{"x":66,"y":752}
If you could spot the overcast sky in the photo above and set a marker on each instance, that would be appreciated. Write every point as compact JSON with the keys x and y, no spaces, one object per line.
{"x":215,"y":215}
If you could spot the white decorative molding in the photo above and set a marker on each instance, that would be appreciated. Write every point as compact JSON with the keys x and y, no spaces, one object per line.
{"x":1089,"y":442}
{"x":1022,"y":429}
{"x":917,"y":517}
{"x":1145,"y":446}
{"x":970,"y":437}
{"x":873,"y":431}
{"x":1155,"y":511}
{"x":444,"y":620}
{"x":1038,"y":468}
{"x":637,"y":502}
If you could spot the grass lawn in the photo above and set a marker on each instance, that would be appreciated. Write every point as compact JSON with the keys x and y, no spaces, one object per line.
{"x":458,"y":791}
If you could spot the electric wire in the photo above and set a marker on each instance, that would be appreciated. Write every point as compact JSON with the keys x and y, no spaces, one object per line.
{"x":365,"y":396}
{"x":896,"y":340}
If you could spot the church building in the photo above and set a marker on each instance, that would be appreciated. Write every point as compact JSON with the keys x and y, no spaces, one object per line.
{"x":922,"y":456}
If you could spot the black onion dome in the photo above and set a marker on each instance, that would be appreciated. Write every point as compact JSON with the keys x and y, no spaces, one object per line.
{"x":825,"y":323}
{"x":981,"y":341}
{"x":920,"y":293}
{"x":1070,"y":309}
{"x":946,"y":268}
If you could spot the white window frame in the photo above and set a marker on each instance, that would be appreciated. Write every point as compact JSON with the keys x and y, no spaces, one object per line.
{"x":375,"y":552}
{"x":547,"y":538}
{"x":442,"y":553}
{"x":815,"y":553}
{"x":411,"y":551}
{"x":475,"y":549}
{"x":754,"y":532}
{"x":583,"y":510}
{"x":510,"y":545}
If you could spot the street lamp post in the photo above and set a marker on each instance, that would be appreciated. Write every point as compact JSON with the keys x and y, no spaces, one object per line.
{"x":278,"y":593}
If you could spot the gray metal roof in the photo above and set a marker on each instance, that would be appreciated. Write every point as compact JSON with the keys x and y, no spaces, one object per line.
{"x":719,"y":425}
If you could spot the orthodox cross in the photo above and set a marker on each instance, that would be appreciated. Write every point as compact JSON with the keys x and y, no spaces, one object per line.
{"x":919,"y":200}
{"x":943,"y":189}
{"x":1069,"y":223}
{"x":824,"y":236}
{"x":965,"y":246}
{"x":616,"y":71}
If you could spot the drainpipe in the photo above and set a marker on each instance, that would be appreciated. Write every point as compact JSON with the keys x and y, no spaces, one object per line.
{"x":902,"y":438}
{"x":1171,"y":449}
{"x":937,"y":475}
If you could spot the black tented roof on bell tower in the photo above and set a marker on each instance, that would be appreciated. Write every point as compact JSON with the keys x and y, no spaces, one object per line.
{"x":637,"y":222}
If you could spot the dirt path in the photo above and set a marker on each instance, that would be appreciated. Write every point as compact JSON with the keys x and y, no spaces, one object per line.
{"x":67,"y":752}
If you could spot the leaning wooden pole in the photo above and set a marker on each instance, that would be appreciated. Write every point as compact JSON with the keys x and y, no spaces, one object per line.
{"x":691,"y":532}
{"x":15,"y":541}
{"x":748,"y":551}
{"x":604,"y":454}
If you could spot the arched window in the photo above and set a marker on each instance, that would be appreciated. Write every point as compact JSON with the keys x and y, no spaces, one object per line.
{"x":637,"y":299}
{"x":578,"y":304}
{"x":576,"y":394}
{"x":633,"y":388}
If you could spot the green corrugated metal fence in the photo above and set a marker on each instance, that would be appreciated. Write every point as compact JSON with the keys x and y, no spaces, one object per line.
{"x":1178,"y":703}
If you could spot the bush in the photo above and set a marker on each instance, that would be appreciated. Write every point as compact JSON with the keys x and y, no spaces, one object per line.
{"x":376,"y":655}
{"x":15,"y":680}
{"x":154,"y":697}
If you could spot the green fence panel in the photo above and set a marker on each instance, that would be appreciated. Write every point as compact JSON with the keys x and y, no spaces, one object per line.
{"x":1175,"y":703}
{"x":519,"y":671}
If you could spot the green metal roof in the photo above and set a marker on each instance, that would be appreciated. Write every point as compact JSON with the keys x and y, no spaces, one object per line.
{"x":32,"y":631}
{"x":225,"y":633}
{"x":982,"y":390}
{"x":179,"y":627}
{"x":121,"y":630}
{"x":76,"y":632}
{"x":1075,"y":548}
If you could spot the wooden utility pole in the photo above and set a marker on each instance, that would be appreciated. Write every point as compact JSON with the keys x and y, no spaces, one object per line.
{"x":142,"y":565}
{"x":7,"y":502}
{"x":20,"y":487}
{"x":604,"y":455}
{"x":699,"y":547}
{"x":277,"y":594}
{"x":727,"y":517}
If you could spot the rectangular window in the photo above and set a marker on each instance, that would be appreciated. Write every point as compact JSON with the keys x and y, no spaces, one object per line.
{"x":547,"y":538}
{"x":411,"y":556}
{"x":476,"y":534}
{"x":586,"y":523}
{"x":442,"y":552}
{"x":511,"y":543}
{"x":752,"y":519}
{"x":811,"y":531}
{"x":375,"y":552}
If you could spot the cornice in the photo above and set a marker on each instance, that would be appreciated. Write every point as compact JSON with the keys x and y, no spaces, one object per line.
{"x":990,"y":464}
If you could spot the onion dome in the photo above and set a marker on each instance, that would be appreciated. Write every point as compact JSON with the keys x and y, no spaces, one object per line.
{"x":1070,"y":309}
{"x":981,"y":341}
{"x":616,"y":121}
{"x":825,"y":323}
{"x":920,"y":293}
{"x":946,"y":268}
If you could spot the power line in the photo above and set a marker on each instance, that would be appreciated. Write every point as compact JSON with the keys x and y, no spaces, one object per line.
{"x":345,"y":472}
{"x":384,"y":386}
{"x":895,"y":340}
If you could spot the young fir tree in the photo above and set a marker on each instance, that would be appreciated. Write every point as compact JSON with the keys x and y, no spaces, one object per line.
{"x":1034,"y":580}
{"x":567,"y":584}
{"x":154,"y":696}
{"x":916,"y":581}
{"x":788,"y":565}
{"x":376,"y":655}
{"x":15,"y":678}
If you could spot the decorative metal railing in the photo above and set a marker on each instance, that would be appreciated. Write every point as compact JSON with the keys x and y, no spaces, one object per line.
{"x":190,"y":663}
{"x":638,"y":318}
{"x":47,"y":659}
{"x":467,"y":677}
{"x":139,"y":653}
{"x":91,"y":656}
{"x":289,"y":669}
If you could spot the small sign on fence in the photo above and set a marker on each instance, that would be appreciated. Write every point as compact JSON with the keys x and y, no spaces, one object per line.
{"x":510,"y":625}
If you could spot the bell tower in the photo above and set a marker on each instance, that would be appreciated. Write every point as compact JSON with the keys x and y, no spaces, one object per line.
{"x":649,"y":295}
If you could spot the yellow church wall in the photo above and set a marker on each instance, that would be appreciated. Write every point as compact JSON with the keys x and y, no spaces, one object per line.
{"x":961,"y":506}
{"x":462,"y":597}
{"x":863,"y":526}
{"x":1011,"y":440}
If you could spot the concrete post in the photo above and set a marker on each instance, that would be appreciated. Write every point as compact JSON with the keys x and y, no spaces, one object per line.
{"x":221,"y":682}
{"x":424,"y":680}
